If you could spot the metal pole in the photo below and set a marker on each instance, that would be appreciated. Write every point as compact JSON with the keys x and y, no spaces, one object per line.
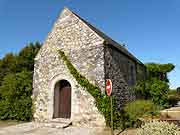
{"x":112,"y":132}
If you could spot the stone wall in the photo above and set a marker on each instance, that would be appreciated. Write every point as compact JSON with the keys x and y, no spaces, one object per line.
{"x":83,"y":46}
{"x":122,"y":71}
{"x":85,"y":50}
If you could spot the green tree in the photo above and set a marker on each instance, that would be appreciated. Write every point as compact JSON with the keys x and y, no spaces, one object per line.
{"x":16,"y":90}
{"x":24,"y":60}
{"x":156,"y":86}
{"x":158,"y":91}
{"x":16,"y":72}
{"x":178,"y":89}
{"x":159,"y":71}
{"x":26,"y":56}
{"x":8,"y":65}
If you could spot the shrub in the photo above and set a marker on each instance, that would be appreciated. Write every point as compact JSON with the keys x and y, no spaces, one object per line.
{"x":178,"y":90}
{"x":156,"y":86}
{"x":16,"y":90}
{"x":153,"y":89}
{"x":173,"y":97}
{"x":140,"y":109}
{"x":159,"y":92}
{"x":16,"y":83}
{"x":142,"y":90}
{"x":173,"y":100}
{"x":159,"y":128}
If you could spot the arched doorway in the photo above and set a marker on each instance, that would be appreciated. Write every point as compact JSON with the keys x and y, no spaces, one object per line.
{"x":62,"y":99}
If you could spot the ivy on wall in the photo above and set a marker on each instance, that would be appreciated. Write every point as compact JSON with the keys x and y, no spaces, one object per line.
{"x":102,"y":101}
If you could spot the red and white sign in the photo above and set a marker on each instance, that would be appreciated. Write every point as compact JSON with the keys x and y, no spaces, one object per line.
{"x":108,"y":87}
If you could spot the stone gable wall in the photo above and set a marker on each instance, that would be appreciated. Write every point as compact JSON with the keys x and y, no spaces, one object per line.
{"x":83,"y":46}
{"x":85,"y":50}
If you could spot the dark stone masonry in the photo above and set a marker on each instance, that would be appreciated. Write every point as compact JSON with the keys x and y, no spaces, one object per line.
{"x":95,"y":56}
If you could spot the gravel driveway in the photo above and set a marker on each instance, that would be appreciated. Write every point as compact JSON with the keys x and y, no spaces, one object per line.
{"x":37,"y":129}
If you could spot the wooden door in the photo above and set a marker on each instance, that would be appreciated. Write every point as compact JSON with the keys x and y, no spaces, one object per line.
{"x":56,"y":101}
{"x":65,"y":102}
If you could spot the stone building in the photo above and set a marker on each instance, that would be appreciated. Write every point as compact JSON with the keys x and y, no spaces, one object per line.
{"x":57,"y":95}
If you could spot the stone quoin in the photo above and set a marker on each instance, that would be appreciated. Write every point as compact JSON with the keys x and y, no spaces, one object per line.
{"x":57,"y":94}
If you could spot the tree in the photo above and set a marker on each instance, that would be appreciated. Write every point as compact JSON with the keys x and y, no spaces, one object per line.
{"x":24,"y":60}
{"x":8,"y":65}
{"x":178,"y":90}
{"x":16,"y":90}
{"x":26,"y":56}
{"x":159,"y":70}
{"x":156,"y":86}
{"x":16,"y":72}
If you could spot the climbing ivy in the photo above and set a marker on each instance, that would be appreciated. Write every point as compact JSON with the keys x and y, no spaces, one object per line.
{"x":102,"y":101}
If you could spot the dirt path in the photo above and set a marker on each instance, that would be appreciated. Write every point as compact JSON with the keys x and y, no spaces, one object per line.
{"x":31,"y":128}
{"x":8,"y":123}
{"x":38,"y":129}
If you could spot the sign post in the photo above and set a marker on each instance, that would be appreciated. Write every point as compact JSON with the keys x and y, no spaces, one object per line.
{"x":108,"y":92}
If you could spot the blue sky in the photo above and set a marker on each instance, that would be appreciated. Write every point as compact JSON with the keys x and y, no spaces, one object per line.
{"x":149,"y":28}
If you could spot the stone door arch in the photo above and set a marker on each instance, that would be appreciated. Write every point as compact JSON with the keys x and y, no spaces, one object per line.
{"x":62,"y":99}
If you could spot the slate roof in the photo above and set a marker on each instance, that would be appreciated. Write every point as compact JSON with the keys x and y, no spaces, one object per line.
{"x":110,"y":41}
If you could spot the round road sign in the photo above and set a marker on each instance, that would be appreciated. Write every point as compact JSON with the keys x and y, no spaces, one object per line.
{"x":108,"y":87}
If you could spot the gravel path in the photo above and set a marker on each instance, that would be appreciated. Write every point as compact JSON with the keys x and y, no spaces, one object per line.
{"x":38,"y":129}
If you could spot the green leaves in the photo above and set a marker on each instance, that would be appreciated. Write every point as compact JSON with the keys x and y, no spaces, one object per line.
{"x":141,"y":108}
{"x":24,"y":60}
{"x":26,"y":56}
{"x":16,"y":83}
{"x":154,"y":67}
{"x":153,"y":89}
{"x":159,"y":92}
{"x":156,"y":86}
{"x":16,"y":93}
{"x":159,"y":71}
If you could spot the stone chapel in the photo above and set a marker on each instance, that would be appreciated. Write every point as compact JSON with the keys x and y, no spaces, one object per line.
{"x":56,"y":93}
